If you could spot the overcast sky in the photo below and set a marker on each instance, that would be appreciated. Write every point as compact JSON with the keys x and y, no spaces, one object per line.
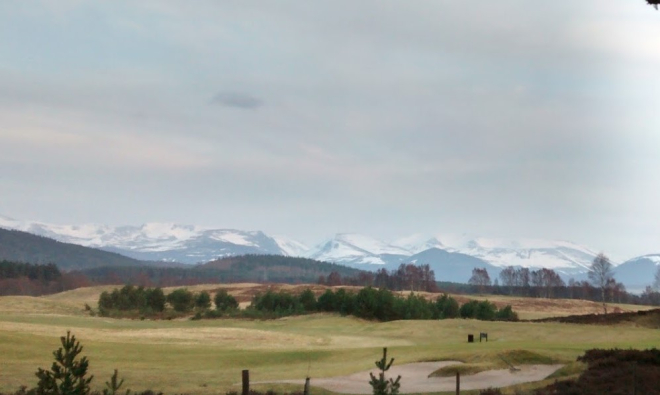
{"x":510,"y":118}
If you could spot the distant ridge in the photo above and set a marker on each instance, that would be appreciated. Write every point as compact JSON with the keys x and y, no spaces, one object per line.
{"x":451,"y":256}
{"x":167,"y":242}
{"x":21,"y":246}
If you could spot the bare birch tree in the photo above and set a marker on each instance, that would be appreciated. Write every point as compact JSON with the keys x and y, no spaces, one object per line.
{"x":600,"y":274}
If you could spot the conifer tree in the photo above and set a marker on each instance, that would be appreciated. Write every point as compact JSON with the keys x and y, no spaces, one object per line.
{"x":379,"y":384}
{"x":67,"y":374}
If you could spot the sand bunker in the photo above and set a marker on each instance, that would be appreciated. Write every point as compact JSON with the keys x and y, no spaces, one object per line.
{"x":414,"y":378}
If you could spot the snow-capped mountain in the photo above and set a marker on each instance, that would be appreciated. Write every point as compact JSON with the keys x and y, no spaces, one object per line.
{"x":448,"y":254}
{"x":418,"y":242}
{"x":455,"y":251}
{"x":354,"y":249}
{"x":163,"y":241}
{"x":562,"y":256}
{"x":291,"y":247}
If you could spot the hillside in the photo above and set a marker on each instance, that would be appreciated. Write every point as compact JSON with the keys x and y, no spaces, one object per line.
{"x":246,"y":268}
{"x":20,"y":246}
{"x":639,"y":272}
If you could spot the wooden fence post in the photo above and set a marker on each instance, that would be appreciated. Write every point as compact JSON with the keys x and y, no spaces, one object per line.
{"x":306,"y":390}
{"x":246,"y":382}
{"x":458,"y":383}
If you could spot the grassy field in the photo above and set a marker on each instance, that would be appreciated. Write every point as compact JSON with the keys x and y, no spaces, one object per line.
{"x":208,"y":356}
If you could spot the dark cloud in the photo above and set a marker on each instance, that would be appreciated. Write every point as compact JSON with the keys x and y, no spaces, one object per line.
{"x":237,"y":100}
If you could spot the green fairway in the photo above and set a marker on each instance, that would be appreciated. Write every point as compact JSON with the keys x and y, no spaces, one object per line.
{"x":207,"y":356}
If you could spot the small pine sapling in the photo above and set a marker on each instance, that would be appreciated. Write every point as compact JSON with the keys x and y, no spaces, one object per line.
{"x":67,"y":374}
{"x":380,"y":385}
{"x":114,"y":385}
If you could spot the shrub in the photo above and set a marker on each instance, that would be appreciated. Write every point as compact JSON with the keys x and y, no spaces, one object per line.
{"x":181,"y":300}
{"x":129,"y":298}
{"x":282,"y":303}
{"x":446,"y":307}
{"x":327,"y":301}
{"x":483,"y":310}
{"x":506,"y":314}
{"x":224,"y":301}
{"x":416,"y":307}
{"x":155,"y":299}
{"x":469,"y":309}
{"x":203,"y":300}
{"x":307,"y":300}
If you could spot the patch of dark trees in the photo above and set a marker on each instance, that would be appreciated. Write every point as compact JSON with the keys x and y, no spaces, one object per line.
{"x":368,"y":303}
{"x":18,"y":278}
{"x":647,"y":318}
{"x":613,"y":372}
{"x":134,"y":302}
{"x":376,"y":304}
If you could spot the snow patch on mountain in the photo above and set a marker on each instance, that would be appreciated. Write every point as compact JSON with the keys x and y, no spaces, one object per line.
{"x":291,"y":247}
{"x":232,"y":237}
{"x":366,"y":243}
{"x":418,"y":242}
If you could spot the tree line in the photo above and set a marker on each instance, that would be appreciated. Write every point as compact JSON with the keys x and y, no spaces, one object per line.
{"x":47,"y":272}
{"x":368,"y":303}
{"x":546,"y":283}
{"x":407,"y":277}
{"x":378,"y":304}
{"x":131,"y":301}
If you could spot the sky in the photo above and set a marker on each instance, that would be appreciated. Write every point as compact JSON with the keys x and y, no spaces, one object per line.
{"x":309,"y":118}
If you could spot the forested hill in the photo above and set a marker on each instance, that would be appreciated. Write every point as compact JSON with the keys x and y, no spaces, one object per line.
{"x":246,"y":268}
{"x":20,"y":246}
{"x":271,"y":267}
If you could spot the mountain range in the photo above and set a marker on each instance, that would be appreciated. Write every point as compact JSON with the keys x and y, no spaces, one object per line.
{"x":452,"y":257}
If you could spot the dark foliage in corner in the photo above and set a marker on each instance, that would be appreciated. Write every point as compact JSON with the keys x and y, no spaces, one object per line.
{"x":613,"y":372}
{"x":269,"y":392}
